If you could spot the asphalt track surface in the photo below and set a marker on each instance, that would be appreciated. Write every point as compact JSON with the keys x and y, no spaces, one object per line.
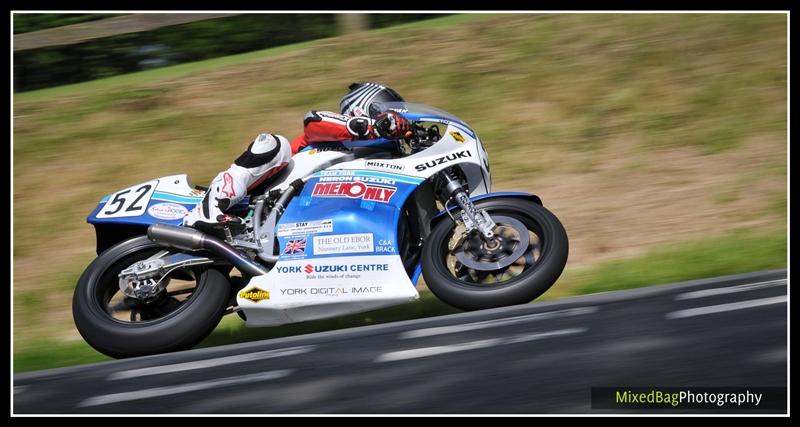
{"x":537,"y":358}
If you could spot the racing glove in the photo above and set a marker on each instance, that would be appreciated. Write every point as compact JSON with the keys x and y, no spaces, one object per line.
{"x":391,"y":124}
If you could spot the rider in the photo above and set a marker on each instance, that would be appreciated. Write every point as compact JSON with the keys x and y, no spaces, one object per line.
{"x":268,"y":154}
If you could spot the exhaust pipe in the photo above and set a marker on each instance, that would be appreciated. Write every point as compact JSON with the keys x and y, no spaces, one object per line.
{"x":189,"y":239}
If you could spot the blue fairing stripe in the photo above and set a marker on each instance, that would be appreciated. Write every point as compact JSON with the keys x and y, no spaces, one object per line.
{"x":406,"y":179}
{"x":176,"y":198}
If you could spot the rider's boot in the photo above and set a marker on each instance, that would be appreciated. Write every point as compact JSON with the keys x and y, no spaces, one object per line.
{"x":266,"y":156}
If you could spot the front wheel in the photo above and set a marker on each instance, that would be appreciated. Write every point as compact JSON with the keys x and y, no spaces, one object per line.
{"x":526,"y":256}
{"x":186,"y":310}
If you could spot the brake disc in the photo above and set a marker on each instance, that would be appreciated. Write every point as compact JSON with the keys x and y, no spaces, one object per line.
{"x":498,"y":253}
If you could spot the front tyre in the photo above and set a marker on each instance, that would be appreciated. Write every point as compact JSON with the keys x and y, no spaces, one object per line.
{"x":524,"y":259}
{"x":187,"y":310}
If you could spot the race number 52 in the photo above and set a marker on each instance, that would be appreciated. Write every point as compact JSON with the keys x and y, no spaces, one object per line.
{"x":131,"y":201}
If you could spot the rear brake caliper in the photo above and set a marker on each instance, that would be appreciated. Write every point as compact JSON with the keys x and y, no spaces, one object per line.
{"x":144,"y":280}
{"x":138,"y":281}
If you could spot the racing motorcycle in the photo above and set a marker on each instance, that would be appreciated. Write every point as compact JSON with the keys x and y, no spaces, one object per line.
{"x":344,"y":228}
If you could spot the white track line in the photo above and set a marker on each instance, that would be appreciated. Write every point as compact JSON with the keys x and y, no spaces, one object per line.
{"x":183,"y":388}
{"x":492,"y":342}
{"x":725,"y":307}
{"x":209,"y":363}
{"x":441,"y":330}
{"x":730,"y":289}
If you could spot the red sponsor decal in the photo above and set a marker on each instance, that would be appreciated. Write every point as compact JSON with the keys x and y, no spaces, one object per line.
{"x":354,"y":190}
{"x":309,"y":268}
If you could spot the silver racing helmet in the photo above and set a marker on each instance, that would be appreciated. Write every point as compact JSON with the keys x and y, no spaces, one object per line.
{"x":362,"y":99}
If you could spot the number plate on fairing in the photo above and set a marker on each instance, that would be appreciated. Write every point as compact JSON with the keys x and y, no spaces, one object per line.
{"x":129,"y":202}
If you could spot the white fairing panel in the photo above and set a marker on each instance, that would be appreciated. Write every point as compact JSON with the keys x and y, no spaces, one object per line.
{"x":178,"y":184}
{"x":300,"y":290}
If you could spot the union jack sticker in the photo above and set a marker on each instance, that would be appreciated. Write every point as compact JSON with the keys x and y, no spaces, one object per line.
{"x":295,"y":247}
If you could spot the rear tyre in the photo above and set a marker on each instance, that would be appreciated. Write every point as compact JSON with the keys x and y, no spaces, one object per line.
{"x":119,"y":326}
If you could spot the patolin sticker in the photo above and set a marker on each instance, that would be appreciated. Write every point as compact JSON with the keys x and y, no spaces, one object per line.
{"x":255,"y":294}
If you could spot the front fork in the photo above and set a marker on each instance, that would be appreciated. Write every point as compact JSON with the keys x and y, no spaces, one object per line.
{"x":474,"y":219}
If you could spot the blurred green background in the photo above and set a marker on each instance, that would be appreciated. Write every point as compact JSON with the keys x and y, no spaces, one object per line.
{"x":129,"y":52}
{"x":660,"y":140}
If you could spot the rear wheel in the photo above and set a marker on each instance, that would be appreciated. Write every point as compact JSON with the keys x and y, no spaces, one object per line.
{"x":526,"y":257}
{"x":188,"y":308}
